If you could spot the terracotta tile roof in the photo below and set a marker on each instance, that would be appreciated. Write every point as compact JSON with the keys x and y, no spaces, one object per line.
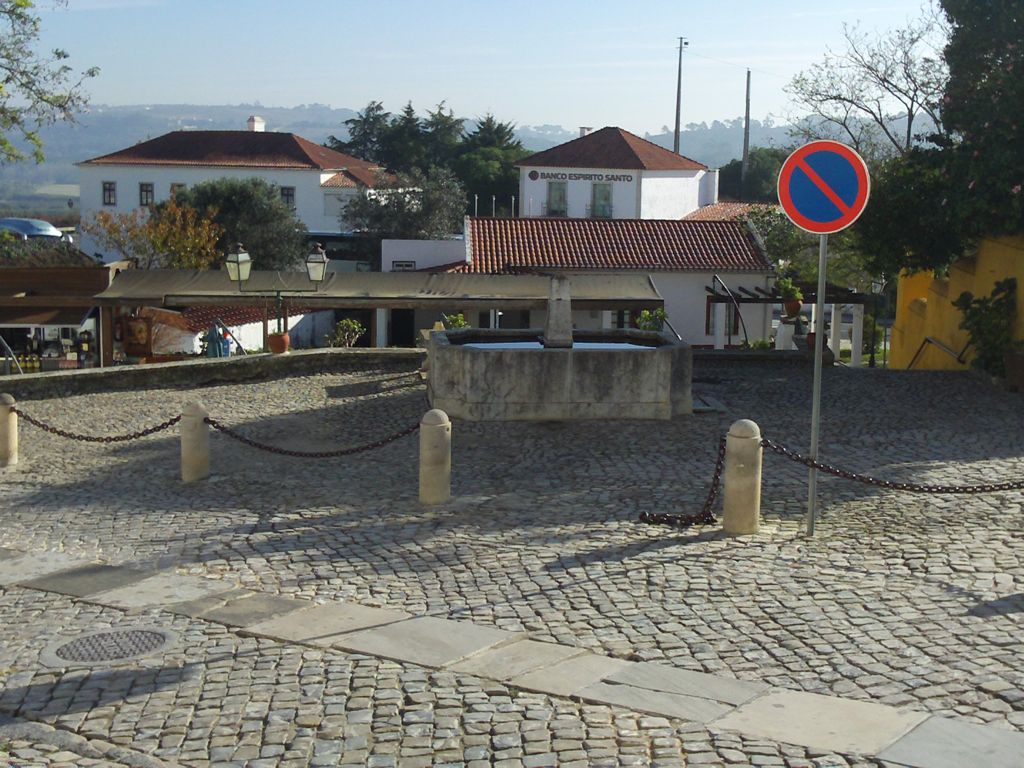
{"x":521,"y":245}
{"x":612,"y":148}
{"x":355,"y":177}
{"x":201,"y":318}
{"x":725,"y":211}
{"x":247,"y":149}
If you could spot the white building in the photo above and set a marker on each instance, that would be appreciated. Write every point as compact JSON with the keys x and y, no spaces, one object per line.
{"x":613,"y":174}
{"x":683,"y":258}
{"x":318,"y":182}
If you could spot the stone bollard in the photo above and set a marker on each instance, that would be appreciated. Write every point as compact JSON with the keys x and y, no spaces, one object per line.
{"x":8,"y":431}
{"x":435,"y":457}
{"x":195,"y":444}
{"x":742,"y":479}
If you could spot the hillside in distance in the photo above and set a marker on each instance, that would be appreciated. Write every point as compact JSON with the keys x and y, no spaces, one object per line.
{"x":105,"y":129}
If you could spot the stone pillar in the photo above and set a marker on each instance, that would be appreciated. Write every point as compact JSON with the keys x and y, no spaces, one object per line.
{"x":720,"y":315}
{"x":558,"y":325}
{"x":8,"y":432}
{"x":837,"y":329}
{"x":435,"y":457}
{"x":857,"y":337}
{"x":380,"y":328}
{"x":607,"y":319}
{"x":195,"y":444}
{"x":741,"y":479}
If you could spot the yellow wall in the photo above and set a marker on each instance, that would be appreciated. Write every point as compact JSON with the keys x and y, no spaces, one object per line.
{"x":924,"y":304}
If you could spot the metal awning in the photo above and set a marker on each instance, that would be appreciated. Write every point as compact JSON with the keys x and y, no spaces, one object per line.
{"x":383,"y":290}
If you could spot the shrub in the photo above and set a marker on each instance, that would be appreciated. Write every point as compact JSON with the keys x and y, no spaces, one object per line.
{"x":346,"y":333}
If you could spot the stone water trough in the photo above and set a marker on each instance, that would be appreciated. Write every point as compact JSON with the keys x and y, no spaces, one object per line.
{"x":558,"y":374}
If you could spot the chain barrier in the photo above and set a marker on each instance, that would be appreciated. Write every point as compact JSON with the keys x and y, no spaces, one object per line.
{"x":223,"y":429}
{"x":706,"y":516}
{"x":807,"y":461}
{"x":97,"y":438}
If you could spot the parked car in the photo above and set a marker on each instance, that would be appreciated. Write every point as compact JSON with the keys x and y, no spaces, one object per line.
{"x":26,"y":229}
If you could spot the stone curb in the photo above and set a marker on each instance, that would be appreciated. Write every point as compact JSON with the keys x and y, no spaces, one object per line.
{"x":754,"y":710}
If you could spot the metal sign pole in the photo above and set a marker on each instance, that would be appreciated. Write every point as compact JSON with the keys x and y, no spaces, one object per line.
{"x":819,"y":345}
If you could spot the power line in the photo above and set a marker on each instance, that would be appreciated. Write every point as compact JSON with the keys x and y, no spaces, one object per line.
{"x":742,"y":66}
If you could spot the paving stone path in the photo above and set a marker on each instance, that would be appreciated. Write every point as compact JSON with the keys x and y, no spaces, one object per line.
{"x":901,"y":601}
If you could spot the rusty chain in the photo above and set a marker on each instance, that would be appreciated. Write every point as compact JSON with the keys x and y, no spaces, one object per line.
{"x":706,"y":516}
{"x":807,"y":461}
{"x":223,"y":429}
{"x":97,"y":438}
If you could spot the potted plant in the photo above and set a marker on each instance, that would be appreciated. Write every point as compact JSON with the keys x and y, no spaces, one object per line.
{"x":792,"y":296}
{"x":279,"y":343}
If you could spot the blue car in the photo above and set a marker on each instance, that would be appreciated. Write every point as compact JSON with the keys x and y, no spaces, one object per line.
{"x":25,"y":229}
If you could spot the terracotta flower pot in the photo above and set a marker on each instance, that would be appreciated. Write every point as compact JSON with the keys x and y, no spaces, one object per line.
{"x":279,"y":343}
{"x":792,"y":307}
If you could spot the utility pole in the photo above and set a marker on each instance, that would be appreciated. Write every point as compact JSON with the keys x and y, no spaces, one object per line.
{"x":683,"y":42}
{"x":746,"y":144}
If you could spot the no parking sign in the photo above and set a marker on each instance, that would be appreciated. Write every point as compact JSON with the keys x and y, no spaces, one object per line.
{"x":824,"y":187}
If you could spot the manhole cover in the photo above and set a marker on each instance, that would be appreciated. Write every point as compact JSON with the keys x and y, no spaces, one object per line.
{"x":110,"y":645}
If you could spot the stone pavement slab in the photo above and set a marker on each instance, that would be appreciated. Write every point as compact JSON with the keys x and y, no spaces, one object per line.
{"x":160,"y":590}
{"x":425,"y":640}
{"x":567,"y":677}
{"x":519,"y":658}
{"x":252,"y":610}
{"x":86,"y":580}
{"x":202,"y":605}
{"x":656,"y":702}
{"x":658,"y":677}
{"x":8,"y":554}
{"x":321,"y":624}
{"x":33,"y":565}
{"x":942,"y":743}
{"x":822,"y":722}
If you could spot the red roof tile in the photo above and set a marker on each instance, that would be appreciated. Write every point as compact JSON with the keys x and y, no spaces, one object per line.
{"x":519,"y":245}
{"x":355,"y":177}
{"x":201,"y":318}
{"x":248,"y":149}
{"x":725,"y":211}
{"x":612,"y":148}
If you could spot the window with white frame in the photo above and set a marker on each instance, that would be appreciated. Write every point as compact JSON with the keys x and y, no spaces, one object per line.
{"x":146,"y":196}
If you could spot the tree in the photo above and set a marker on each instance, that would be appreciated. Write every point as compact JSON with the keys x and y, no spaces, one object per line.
{"x":794,"y":252}
{"x":983,"y":106}
{"x":914,"y":218}
{"x":250,"y":211}
{"x":486,"y":164}
{"x":35,"y":90}
{"x":871,"y":94}
{"x":403,"y":147}
{"x":365,"y":133}
{"x":442,"y":132}
{"x":762,"y":175}
{"x":419,"y":206}
{"x":174,"y":235}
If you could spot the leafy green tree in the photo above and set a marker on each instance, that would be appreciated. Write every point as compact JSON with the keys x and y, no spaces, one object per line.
{"x":487,"y":163}
{"x":403,"y":146}
{"x":250,"y":211}
{"x":366,"y":133}
{"x":984,"y":107}
{"x":35,"y":90}
{"x":794,"y":252}
{"x":418,"y":206}
{"x":914,"y":218}
{"x":442,"y":133}
{"x":762,"y":175}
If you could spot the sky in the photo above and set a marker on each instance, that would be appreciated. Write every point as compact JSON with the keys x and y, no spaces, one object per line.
{"x":560,"y":62}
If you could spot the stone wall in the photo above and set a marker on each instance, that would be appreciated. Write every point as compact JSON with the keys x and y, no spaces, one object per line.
{"x":202,"y":372}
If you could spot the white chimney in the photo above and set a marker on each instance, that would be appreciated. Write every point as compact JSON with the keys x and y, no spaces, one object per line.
{"x":256,"y":124}
{"x":584,"y":130}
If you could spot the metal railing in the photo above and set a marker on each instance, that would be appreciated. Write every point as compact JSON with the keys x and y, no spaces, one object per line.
{"x":9,"y":355}
{"x":942,"y":348}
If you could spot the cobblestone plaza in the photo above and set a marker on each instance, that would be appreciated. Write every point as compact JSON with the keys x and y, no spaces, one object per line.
{"x":905,"y":600}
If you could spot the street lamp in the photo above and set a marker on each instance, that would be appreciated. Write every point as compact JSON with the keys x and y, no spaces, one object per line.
{"x":239,"y":266}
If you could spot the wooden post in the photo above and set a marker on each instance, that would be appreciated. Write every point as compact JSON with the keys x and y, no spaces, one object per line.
{"x":266,"y":325}
{"x":106,"y":340}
